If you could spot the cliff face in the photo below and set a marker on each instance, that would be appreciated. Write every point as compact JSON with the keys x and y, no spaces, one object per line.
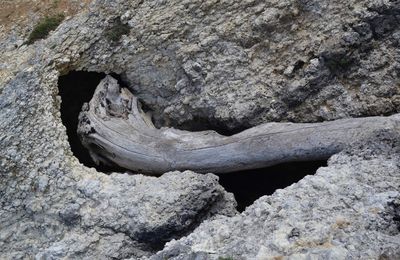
{"x":201,"y":64}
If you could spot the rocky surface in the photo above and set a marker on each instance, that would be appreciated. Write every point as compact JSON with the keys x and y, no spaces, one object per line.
{"x":285,"y":60}
{"x":228,"y":65}
{"x":53,"y":207}
{"x":235,"y":64}
{"x":348,"y":210}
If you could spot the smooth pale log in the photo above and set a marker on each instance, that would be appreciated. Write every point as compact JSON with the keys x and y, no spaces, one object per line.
{"x":116,"y":131}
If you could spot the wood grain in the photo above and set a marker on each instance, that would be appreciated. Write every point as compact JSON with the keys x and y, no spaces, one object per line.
{"x":116,"y":131}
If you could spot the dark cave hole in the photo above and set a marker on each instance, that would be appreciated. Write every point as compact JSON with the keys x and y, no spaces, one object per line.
{"x":77,"y":87}
{"x":249,"y":185}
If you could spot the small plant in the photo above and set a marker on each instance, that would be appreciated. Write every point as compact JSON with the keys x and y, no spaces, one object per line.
{"x":44,"y":27}
{"x":115,"y":32}
{"x":225,"y":258}
{"x":55,"y":3}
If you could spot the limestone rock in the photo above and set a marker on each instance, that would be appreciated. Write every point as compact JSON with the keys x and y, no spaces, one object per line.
{"x":235,"y":64}
{"x":228,"y":64}
{"x":348,"y":210}
{"x":53,"y":207}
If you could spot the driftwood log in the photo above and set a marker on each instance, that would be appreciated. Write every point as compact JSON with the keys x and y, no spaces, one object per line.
{"x":115,"y":130}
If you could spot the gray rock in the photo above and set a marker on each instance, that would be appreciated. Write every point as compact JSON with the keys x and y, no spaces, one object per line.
{"x":280,"y":58}
{"x":229,"y":64}
{"x":348,"y":210}
{"x":53,"y":207}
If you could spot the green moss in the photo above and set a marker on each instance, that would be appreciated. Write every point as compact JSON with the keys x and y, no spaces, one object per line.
{"x":44,"y":27}
{"x":117,"y":29}
{"x":55,"y":3}
{"x":225,"y":258}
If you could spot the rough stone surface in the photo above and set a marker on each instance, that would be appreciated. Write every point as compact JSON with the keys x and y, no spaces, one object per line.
{"x":53,"y":207}
{"x":234,"y":64}
{"x":227,"y":64}
{"x":348,"y":210}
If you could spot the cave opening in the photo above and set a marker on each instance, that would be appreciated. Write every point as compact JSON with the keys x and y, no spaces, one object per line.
{"x":78,"y":87}
{"x":249,"y":185}
{"x":75,"y":89}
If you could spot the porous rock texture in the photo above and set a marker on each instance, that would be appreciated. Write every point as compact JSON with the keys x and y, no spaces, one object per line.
{"x":226,"y":64}
{"x":348,"y":210}
{"x":285,"y":60}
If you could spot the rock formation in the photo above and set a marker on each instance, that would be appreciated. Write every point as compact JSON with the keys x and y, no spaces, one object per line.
{"x":200,"y":65}
{"x":348,"y":210}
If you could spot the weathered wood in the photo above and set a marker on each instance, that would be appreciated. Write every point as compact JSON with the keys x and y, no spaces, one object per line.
{"x":116,"y":131}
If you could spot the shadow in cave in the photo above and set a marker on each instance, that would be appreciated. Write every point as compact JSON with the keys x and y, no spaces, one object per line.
{"x":75,"y":89}
{"x":249,"y":185}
